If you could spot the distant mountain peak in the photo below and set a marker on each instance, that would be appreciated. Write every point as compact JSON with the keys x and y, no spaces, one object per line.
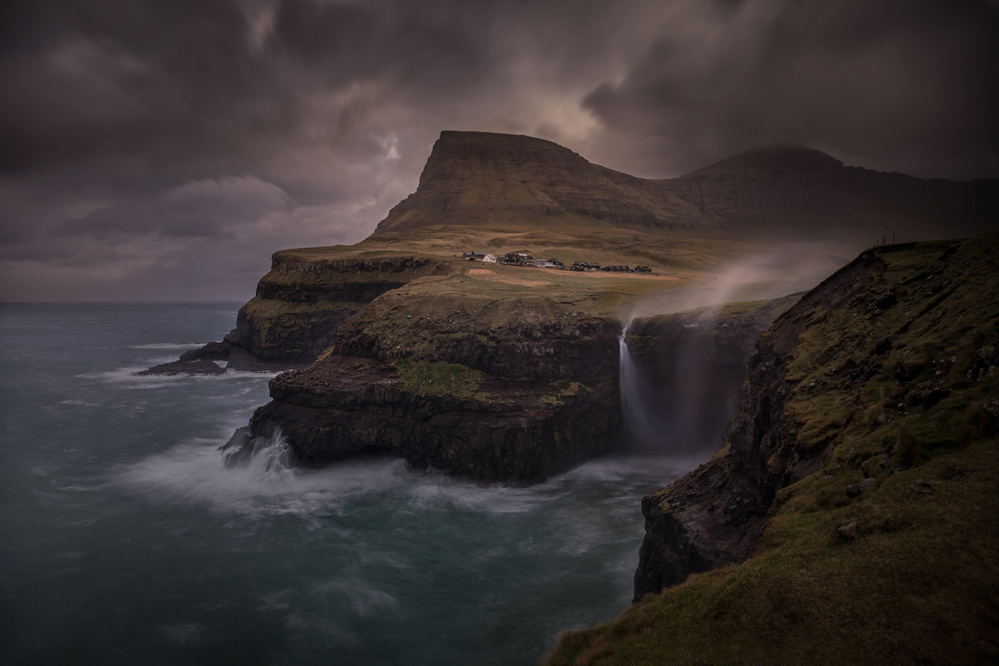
{"x":791,"y":156}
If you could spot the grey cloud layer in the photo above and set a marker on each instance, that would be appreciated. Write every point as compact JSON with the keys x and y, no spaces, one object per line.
{"x":145,"y":140}
{"x":897,"y":85}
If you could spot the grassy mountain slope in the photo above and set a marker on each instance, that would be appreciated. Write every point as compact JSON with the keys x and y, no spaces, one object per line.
{"x":781,"y":193}
{"x":506,"y":182}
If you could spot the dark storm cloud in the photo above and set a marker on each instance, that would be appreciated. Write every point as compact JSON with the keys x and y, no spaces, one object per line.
{"x":345,"y":42}
{"x":140,"y":140}
{"x":206,"y":209}
{"x":95,"y":77}
{"x":910,"y":86}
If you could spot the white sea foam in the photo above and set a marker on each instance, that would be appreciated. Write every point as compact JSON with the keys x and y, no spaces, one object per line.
{"x":269,"y":484}
{"x":169,"y":345}
{"x":446,"y":493}
{"x":359,"y":594}
{"x":633,"y":468}
{"x":129,"y":376}
{"x":125,"y":375}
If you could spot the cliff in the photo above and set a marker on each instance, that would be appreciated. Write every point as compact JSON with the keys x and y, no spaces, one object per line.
{"x":499,"y":389}
{"x":484,"y":385}
{"x":302,"y":301}
{"x":300,"y":304}
{"x":857,"y":486}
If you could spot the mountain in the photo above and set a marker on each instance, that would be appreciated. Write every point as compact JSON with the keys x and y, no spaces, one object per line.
{"x":803,"y":212}
{"x":497,"y":180}
{"x":800,"y":193}
{"x":784,"y":194}
{"x":510,"y":372}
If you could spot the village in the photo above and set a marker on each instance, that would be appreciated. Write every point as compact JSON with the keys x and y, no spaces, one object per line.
{"x":523,"y":259}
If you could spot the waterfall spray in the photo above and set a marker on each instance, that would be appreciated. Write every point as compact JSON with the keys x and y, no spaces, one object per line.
{"x":264,"y":456}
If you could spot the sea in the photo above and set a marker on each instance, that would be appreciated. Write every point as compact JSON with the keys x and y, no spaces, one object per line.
{"x":124,"y":539}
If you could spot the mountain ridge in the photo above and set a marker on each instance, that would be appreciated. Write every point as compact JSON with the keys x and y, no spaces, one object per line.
{"x":781,"y":193}
{"x":473,"y":177}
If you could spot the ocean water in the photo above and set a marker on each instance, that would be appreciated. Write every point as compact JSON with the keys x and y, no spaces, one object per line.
{"x":125,"y":540}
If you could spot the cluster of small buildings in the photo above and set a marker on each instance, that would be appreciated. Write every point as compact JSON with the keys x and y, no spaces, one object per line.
{"x":626,"y":269}
{"x":522,"y":259}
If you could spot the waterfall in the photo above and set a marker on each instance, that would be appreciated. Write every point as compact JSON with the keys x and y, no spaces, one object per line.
{"x":639,"y":421}
{"x":681,"y":403}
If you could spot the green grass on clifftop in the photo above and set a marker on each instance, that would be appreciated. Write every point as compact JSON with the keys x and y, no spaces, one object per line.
{"x":438,"y":378}
{"x":919,"y":579}
{"x":904,"y":392}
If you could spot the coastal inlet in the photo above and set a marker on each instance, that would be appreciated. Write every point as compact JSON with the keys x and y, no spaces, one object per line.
{"x":128,"y":540}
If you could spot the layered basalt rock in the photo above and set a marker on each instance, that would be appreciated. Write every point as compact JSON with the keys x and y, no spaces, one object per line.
{"x":513,"y":403}
{"x":507,"y":390}
{"x":301,"y":303}
{"x":504,"y":430}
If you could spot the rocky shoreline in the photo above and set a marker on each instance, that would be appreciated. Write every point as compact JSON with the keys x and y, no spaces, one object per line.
{"x":513,"y":403}
{"x":510,"y":390}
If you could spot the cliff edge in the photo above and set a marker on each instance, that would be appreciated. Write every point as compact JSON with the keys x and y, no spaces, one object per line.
{"x":851,"y":516}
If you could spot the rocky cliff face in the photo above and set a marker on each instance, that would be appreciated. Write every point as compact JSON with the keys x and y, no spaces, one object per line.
{"x":513,"y":395}
{"x":474,"y":425}
{"x":301,"y":303}
{"x":511,"y":389}
{"x":894,"y":354}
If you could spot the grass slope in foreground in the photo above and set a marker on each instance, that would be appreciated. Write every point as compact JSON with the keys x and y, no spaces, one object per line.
{"x":904,"y":390}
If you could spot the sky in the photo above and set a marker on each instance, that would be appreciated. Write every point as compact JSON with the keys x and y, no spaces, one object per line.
{"x":162,"y":150}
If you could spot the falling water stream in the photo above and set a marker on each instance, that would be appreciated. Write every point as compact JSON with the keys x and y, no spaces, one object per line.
{"x":639,"y":421}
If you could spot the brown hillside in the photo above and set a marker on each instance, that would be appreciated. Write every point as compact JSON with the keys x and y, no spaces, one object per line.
{"x":484,"y":179}
{"x":480,"y":179}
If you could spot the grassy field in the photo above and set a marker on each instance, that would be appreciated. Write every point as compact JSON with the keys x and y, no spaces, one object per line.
{"x":705,"y":270}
